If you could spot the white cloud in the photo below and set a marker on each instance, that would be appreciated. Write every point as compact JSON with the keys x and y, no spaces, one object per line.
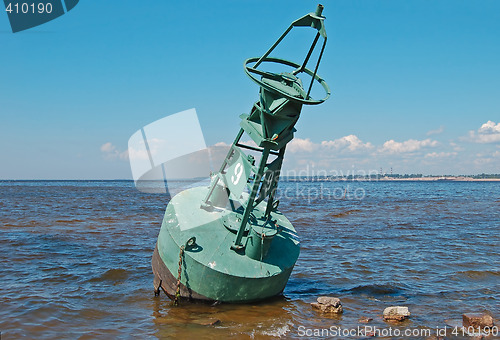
{"x":425,"y":155}
{"x":138,"y":154}
{"x":486,"y":161}
{"x":221,"y":144}
{"x":456,"y":147}
{"x":301,"y":145}
{"x":482,"y":161}
{"x":440,"y":154}
{"x":108,"y":147}
{"x":110,"y":152}
{"x":489,"y":127}
{"x":248,"y":142}
{"x":410,"y":145}
{"x":351,"y":143}
{"x":489,"y":132}
{"x":138,"y":151}
{"x":436,"y":131}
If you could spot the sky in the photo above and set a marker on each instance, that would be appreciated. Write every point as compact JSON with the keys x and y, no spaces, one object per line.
{"x":415,"y":84}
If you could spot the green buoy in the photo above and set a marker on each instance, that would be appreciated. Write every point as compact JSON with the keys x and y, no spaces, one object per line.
{"x":228,"y":242}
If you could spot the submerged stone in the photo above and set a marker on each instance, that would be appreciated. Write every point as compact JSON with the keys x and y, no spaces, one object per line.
{"x":477,"y":320}
{"x":396,"y":313}
{"x":209,"y":322}
{"x":328,"y":304}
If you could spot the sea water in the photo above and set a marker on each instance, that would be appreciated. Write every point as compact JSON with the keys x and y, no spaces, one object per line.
{"x":76,"y":262}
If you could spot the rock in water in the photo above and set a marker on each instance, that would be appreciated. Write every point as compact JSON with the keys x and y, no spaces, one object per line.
{"x":211,"y":322}
{"x":207,"y":322}
{"x":328,"y":304}
{"x":477,"y":320}
{"x":396,"y":313}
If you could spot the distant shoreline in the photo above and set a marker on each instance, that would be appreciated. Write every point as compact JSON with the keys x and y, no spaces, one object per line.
{"x":440,"y":179}
{"x":389,"y":179}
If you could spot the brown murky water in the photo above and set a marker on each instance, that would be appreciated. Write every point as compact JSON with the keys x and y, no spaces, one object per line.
{"x":76,"y":262}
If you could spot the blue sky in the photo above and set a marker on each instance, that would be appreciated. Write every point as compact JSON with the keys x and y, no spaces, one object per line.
{"x":415,"y":83}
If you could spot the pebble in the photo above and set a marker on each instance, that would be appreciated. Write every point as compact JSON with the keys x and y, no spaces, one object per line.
{"x":364,"y":319}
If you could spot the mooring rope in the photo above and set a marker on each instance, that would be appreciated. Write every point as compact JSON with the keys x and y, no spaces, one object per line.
{"x":178,"y":290}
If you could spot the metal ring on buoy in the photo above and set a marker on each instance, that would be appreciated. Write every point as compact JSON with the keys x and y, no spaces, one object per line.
{"x":276,"y":204}
{"x":191,"y":243}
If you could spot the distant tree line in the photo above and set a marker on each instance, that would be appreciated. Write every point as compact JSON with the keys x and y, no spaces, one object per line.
{"x":351,"y":177}
{"x":486,"y":176}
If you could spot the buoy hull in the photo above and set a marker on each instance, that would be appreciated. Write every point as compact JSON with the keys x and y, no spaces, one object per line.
{"x":212,"y":271}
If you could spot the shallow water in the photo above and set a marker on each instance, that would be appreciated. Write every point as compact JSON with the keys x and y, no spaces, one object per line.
{"x":76,"y":260}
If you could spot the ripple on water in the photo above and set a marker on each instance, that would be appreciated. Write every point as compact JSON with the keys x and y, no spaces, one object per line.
{"x":116,"y":276}
{"x":79,"y":257}
{"x":343,"y":213}
{"x":480,"y":275}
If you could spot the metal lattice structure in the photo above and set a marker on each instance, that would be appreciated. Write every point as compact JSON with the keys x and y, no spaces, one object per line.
{"x":234,"y":243}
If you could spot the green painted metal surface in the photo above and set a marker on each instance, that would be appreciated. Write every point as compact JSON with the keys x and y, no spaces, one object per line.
{"x":213,"y":269}
{"x":245,"y":249}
